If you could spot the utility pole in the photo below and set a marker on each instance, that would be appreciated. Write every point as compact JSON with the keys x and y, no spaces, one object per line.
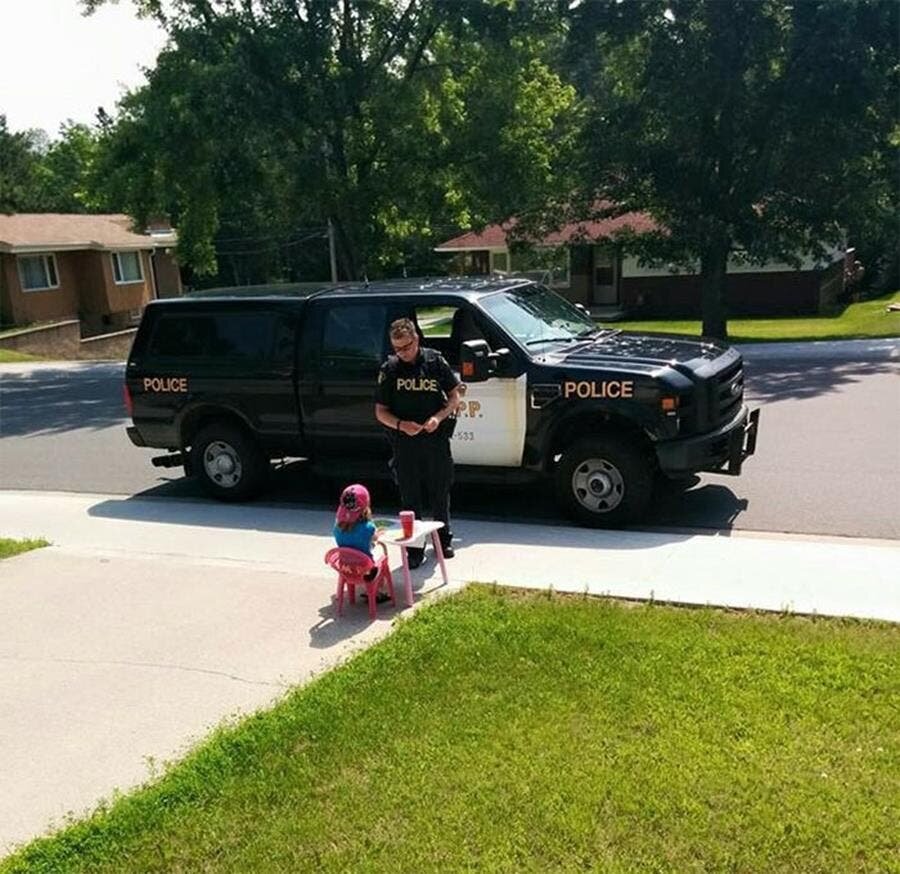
{"x":331,"y":255}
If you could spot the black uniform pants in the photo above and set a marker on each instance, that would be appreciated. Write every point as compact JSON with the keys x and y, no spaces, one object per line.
{"x":424,"y":468}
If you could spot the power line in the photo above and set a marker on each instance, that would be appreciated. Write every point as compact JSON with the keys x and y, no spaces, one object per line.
{"x":319,"y":235}
{"x":255,"y":237}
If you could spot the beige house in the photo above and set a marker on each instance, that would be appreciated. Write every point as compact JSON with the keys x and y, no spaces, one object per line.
{"x":95,"y":268}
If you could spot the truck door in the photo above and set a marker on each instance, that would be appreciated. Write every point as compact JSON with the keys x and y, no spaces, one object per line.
{"x":490,"y":428}
{"x":341,"y":350}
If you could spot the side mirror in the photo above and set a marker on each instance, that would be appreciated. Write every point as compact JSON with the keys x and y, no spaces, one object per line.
{"x":500,"y":360}
{"x":478,"y":363}
{"x":475,"y":361}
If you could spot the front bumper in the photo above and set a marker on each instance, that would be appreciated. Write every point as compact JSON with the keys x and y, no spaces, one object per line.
{"x":721,"y":451}
{"x":135,"y":436}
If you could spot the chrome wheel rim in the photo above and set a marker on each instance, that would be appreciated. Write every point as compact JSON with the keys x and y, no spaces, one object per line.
{"x":222,"y":464}
{"x":598,"y":485}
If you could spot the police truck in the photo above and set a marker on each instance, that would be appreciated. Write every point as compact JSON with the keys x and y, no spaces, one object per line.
{"x":226,"y":381}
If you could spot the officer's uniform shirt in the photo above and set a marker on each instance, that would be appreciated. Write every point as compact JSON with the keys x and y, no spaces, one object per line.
{"x":417,"y":390}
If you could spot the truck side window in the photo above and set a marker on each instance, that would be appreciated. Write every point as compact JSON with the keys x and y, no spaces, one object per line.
{"x":445,"y":328}
{"x":238,"y":336}
{"x":175,"y":337}
{"x":214,"y":337}
{"x":353,"y":338}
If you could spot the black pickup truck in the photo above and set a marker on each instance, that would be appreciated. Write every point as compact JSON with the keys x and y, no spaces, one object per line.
{"x":227,"y":381}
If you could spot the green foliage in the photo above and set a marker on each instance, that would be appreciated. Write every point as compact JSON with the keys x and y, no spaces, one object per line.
{"x":62,"y":175}
{"x":765,"y":128}
{"x":10,"y":547}
{"x":397,"y":123}
{"x":759,"y":127}
{"x":65,"y":178}
{"x":497,"y":731}
{"x":18,"y":168}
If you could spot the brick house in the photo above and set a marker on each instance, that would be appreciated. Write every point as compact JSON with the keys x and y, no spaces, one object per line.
{"x":91,"y":267}
{"x":584,"y":261}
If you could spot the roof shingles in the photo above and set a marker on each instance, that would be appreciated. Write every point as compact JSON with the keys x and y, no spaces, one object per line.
{"x":69,"y":231}
{"x":494,"y":236}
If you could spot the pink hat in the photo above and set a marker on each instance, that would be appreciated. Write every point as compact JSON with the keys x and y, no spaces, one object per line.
{"x":354,"y":502}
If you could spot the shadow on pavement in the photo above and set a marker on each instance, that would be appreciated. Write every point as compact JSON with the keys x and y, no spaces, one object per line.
{"x":317,"y":520}
{"x":770,"y":380}
{"x":53,"y":401}
{"x":332,"y":629}
{"x":693,"y":503}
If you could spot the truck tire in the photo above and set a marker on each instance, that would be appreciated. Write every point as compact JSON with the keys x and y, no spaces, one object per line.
{"x":604,"y":481}
{"x":228,"y":462}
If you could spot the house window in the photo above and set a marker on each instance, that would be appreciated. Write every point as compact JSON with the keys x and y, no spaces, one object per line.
{"x":37,"y":272}
{"x":549,"y":264}
{"x":127,"y":267}
{"x":500,"y":261}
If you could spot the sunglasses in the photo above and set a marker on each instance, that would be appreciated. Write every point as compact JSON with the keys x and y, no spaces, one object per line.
{"x":404,"y":347}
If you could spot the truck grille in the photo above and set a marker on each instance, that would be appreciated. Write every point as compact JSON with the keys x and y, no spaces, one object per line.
{"x":728,"y":393}
{"x":715,"y":400}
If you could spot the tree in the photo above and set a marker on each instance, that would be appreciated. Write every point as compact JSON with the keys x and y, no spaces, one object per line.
{"x":65,"y":179}
{"x":740,"y":126}
{"x":265,"y":121}
{"x":18,"y":165}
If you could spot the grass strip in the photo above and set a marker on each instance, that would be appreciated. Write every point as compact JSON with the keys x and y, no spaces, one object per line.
{"x":867,"y":319}
{"x":10,"y":356}
{"x":502,"y":731}
{"x":10,"y":547}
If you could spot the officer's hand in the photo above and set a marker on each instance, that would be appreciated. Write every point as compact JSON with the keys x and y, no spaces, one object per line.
{"x":432,"y":424}
{"x":410,"y":428}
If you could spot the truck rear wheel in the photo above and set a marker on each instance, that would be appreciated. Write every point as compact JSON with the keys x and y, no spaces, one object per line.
{"x":604,"y":481}
{"x":228,"y":462}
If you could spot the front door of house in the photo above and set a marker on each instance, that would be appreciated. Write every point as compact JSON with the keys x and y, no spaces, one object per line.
{"x":605,"y":290}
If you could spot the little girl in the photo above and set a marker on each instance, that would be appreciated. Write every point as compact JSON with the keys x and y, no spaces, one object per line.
{"x":353,"y":525}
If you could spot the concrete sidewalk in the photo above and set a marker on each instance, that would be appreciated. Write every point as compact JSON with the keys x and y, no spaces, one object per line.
{"x":800,"y":573}
{"x":150,"y":621}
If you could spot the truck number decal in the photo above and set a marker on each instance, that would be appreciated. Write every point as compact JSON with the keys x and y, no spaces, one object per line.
{"x":613,"y":388}
{"x":165,"y":383}
{"x":464,"y":436}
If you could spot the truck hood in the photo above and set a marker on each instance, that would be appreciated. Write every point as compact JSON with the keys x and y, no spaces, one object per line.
{"x":650,"y":350}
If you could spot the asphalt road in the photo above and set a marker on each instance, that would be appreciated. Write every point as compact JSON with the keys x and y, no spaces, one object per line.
{"x":827,"y":462}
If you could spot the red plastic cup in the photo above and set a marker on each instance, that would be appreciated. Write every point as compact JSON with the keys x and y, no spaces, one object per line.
{"x":407,"y":518}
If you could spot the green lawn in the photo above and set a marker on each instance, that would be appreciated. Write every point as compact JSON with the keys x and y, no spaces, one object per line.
{"x":9,"y":355}
{"x":500,"y":731}
{"x":10,"y":547}
{"x":858,"y":320}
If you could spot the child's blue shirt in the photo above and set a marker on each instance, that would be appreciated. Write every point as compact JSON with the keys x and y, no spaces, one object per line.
{"x":358,"y":537}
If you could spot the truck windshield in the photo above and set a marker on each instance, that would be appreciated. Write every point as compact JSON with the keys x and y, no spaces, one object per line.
{"x":535,"y":315}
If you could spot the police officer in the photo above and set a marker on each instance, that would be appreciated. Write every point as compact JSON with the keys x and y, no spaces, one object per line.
{"x":417,"y":392}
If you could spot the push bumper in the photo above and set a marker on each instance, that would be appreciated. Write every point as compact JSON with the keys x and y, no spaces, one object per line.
{"x":721,"y":451}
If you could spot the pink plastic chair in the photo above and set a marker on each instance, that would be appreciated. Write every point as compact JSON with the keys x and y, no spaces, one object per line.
{"x":352,"y":566}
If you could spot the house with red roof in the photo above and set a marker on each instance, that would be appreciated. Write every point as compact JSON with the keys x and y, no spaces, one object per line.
{"x":96,"y":268}
{"x":590,"y":264}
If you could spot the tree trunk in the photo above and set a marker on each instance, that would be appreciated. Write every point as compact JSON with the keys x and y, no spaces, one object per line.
{"x":346,"y":251}
{"x":713,"y":266}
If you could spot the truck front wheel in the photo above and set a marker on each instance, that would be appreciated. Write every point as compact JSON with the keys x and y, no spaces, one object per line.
{"x":229,"y":463}
{"x":604,"y":481}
